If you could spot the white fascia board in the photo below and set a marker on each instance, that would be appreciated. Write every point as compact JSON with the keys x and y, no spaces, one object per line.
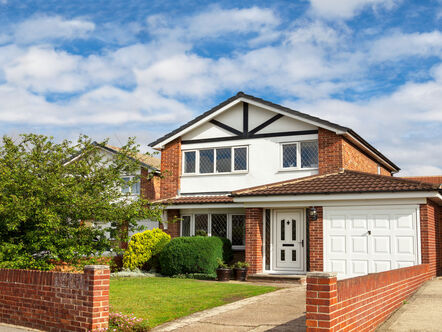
{"x":203,"y":206}
{"x":161,"y":145}
{"x":368,"y":150}
{"x":336,"y":197}
{"x":347,"y":203}
{"x":299,"y":118}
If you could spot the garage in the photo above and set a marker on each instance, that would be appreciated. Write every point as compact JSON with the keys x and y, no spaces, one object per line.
{"x":369,"y":239}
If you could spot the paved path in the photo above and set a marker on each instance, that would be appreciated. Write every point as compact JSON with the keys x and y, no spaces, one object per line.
{"x":422,"y":312}
{"x":282,"y":310}
{"x":13,"y":328}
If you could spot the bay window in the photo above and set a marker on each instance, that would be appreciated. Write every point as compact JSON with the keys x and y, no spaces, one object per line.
{"x":231,"y":226}
{"x":222,"y":160}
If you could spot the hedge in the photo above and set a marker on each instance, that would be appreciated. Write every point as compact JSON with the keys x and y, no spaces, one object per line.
{"x":143,"y":248}
{"x":197,"y":254}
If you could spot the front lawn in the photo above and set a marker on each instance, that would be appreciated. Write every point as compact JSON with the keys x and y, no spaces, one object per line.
{"x":163,"y":299}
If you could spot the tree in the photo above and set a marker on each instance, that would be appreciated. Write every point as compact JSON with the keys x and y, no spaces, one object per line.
{"x":49,"y":193}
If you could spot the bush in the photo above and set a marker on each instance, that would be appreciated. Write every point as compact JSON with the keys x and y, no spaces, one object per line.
{"x":227,"y":250}
{"x":197,"y":254}
{"x":143,"y":248}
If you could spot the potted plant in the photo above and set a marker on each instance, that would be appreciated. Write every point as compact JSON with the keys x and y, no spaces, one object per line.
{"x":240,"y":271}
{"x":223,"y":271}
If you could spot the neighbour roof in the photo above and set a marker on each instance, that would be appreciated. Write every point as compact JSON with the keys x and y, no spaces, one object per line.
{"x":149,"y":161}
{"x":284,"y":109}
{"x":343,"y":182}
{"x":196,"y":200}
{"x":437,"y":179}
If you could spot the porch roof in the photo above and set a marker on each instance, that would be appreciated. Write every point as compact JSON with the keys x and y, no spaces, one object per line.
{"x":342,"y":182}
{"x":208,"y":199}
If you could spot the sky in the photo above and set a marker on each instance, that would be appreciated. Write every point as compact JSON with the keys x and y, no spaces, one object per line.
{"x":114,"y":69}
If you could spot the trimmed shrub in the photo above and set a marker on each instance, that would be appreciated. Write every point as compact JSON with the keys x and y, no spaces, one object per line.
{"x":197,"y":254}
{"x":143,"y":249}
{"x":227,"y":250}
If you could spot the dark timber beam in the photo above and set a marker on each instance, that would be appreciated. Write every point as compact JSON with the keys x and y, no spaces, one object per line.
{"x":265,"y":124}
{"x":226,"y":127}
{"x":245,"y":119}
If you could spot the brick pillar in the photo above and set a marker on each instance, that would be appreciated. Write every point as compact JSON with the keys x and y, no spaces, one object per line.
{"x":316,"y":242}
{"x":321,"y":301}
{"x":254,"y":239}
{"x":429,"y":236}
{"x":97,"y":305}
{"x":173,"y":225}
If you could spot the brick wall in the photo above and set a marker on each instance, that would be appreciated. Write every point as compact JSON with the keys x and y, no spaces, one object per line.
{"x":171,"y":169}
{"x":356,"y":160}
{"x":336,"y":153}
{"x":56,"y":301}
{"x":149,"y":187}
{"x":316,"y":242}
{"x":254,"y":239}
{"x":430,"y":236}
{"x":361,"y":303}
{"x":173,"y":228}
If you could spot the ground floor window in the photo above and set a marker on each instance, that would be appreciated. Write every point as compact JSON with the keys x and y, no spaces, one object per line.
{"x":231,"y":226}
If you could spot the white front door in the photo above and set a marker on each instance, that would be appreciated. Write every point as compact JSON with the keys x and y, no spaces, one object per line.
{"x":289,"y":240}
{"x":371,"y":239}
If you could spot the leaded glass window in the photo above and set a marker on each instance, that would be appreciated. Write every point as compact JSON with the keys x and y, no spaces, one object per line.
{"x":309,"y":154}
{"x":240,"y":161}
{"x":206,"y":161}
{"x":224,"y":160}
{"x":289,"y":155}
{"x":189,"y":161}
{"x":201,"y":224}
{"x":185,"y":226}
{"x":238,"y":230}
{"x":219,"y":225}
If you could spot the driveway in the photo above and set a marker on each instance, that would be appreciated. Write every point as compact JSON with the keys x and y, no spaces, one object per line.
{"x":282,"y":310}
{"x":422,"y":312}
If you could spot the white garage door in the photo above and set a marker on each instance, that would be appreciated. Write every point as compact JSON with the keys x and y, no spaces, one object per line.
{"x":370,"y":239}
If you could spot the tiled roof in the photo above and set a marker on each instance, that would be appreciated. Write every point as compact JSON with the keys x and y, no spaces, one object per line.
{"x":342,"y":182}
{"x":437,"y":179}
{"x":196,"y":200}
{"x":145,"y":159}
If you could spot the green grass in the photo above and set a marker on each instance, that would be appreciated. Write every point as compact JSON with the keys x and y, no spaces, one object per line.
{"x":164,"y":299}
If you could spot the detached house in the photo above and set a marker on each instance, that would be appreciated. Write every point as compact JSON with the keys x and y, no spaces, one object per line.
{"x":295,"y":193}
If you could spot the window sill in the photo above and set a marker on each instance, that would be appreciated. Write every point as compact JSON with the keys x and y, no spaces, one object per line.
{"x":238,"y":248}
{"x":296,"y":169}
{"x":214,"y":174}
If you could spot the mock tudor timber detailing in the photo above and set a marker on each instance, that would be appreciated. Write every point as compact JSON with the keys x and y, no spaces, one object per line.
{"x":56,"y":301}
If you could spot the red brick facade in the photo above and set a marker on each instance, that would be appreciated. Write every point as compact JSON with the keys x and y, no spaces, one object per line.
{"x":254,"y":239}
{"x":361,"y":303}
{"x":171,"y":169}
{"x":149,"y":187}
{"x":336,"y":153}
{"x":56,"y":301}
{"x":316,"y":242}
{"x":431,"y":247}
{"x":174,"y":225}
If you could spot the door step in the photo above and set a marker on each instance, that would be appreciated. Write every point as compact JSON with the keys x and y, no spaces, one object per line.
{"x":277,"y":278}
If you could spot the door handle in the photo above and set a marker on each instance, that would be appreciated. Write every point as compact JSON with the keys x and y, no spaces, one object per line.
{"x":369,"y":232}
{"x":302,"y":243}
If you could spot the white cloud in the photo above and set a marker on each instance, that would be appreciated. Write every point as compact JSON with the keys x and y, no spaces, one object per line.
{"x":44,"y":28}
{"x":346,"y":9}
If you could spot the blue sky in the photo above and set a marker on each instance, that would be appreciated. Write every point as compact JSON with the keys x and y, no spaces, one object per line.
{"x":141,"y":68}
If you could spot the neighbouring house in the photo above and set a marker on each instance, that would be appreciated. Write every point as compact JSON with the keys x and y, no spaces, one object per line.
{"x":295,"y":193}
{"x":148,"y":187}
{"x":435,"y":179}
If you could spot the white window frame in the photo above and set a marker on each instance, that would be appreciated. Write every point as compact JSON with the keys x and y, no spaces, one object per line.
{"x":131,"y":177}
{"x":209,"y":233}
{"x":197,"y":161}
{"x":298,"y":156}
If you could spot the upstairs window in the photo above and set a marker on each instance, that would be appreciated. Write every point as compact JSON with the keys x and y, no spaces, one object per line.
{"x":216,"y":160}
{"x":300,"y":155}
{"x":133,"y":189}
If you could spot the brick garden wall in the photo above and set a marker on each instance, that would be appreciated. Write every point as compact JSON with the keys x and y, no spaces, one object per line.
{"x":316,"y":242}
{"x":360,"y":303}
{"x":171,"y":169}
{"x":254,"y":239}
{"x":56,"y":301}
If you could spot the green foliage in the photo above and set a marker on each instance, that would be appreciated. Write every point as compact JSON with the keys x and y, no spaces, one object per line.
{"x":49,"y":200}
{"x":196,"y":254}
{"x":198,"y":276}
{"x":227,"y":250}
{"x":241,"y":265}
{"x":143,"y":247}
{"x":200,"y":232}
{"x":221,"y":264}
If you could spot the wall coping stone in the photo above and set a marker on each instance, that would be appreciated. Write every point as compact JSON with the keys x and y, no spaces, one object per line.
{"x":96,"y":267}
{"x":316,"y":274}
